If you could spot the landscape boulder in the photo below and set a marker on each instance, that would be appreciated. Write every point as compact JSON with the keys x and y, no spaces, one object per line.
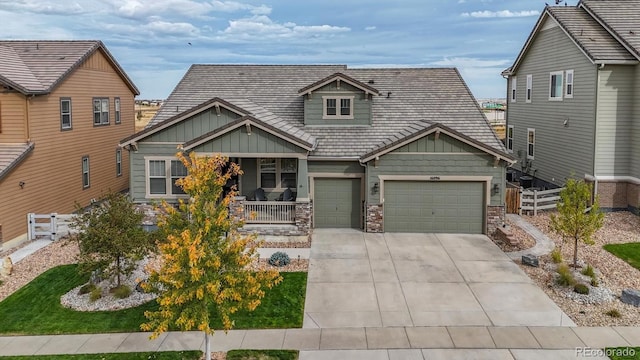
{"x":531,"y":260}
{"x":631,"y":296}
{"x":7,"y":267}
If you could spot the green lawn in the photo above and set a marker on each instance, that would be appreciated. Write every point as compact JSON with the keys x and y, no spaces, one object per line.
{"x":629,"y":252}
{"x":623,"y":353}
{"x":165,"y":355}
{"x":262,"y":355}
{"x":35,"y":309}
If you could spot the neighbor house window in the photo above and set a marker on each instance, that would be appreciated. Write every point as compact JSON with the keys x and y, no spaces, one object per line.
{"x":163,"y":174}
{"x":118,"y":162}
{"x":337,"y":107}
{"x":569,"y":88}
{"x":65,"y":113}
{"x":529,"y":88}
{"x":278,"y":173}
{"x":531,"y":143}
{"x":510,"y":138}
{"x":514,"y":83}
{"x":116,"y":105}
{"x":100,"y":111}
{"x":555,"y":85}
{"x":85,"y":172}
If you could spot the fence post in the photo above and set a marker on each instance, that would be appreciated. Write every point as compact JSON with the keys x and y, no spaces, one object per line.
{"x":30,"y":226}
{"x":535,"y":202}
{"x":521,"y":198}
{"x":53,"y":226}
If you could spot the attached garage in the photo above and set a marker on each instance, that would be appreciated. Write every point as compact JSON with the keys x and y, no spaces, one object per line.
{"x":439,"y":207}
{"x":337,"y":202}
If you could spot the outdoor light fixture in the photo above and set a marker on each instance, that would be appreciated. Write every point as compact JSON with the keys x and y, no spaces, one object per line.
{"x":495,"y":189}
{"x":21,"y":184}
{"x":375,"y":188}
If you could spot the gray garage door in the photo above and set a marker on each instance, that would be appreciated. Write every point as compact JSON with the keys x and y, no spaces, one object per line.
{"x":336,"y":203}
{"x":441,"y":207}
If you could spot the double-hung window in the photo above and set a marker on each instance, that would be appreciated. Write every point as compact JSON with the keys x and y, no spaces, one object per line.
{"x":337,"y":107}
{"x":514,"y":85}
{"x":531,"y":143}
{"x":163,"y":174}
{"x":555,"y":85}
{"x":510,"y":138}
{"x":116,"y":105}
{"x":568,"y":93}
{"x":85,"y":172}
{"x":529,"y":88}
{"x":65,"y":113}
{"x":277,"y":173}
{"x":118,"y":162}
{"x":100,"y":111}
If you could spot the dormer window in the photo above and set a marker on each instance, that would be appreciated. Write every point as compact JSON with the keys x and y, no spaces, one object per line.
{"x":337,"y":107}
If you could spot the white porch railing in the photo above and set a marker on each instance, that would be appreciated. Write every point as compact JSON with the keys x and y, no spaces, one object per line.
{"x":539,"y":200}
{"x":52,"y":225}
{"x":269,"y":212}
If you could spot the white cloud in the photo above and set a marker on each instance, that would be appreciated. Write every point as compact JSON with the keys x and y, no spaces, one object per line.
{"x":263,"y":26}
{"x":500,"y":14}
{"x":171,"y":28}
{"x":45,"y":7}
{"x":146,"y":8}
{"x":233,"y":6}
{"x":370,"y":28}
{"x":470,"y":62}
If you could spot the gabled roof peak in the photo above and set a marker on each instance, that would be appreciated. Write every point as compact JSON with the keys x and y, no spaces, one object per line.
{"x":339,"y":77}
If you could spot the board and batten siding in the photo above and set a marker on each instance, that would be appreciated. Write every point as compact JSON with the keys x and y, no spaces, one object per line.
{"x":239,"y":141}
{"x":451,"y":158}
{"x":313,"y":105}
{"x":560,"y":150}
{"x":52,"y":173}
{"x":12,"y":117}
{"x":195,"y":126}
{"x":614,"y":121}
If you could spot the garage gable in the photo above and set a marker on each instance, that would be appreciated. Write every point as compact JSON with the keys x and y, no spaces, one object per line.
{"x":437,"y":143}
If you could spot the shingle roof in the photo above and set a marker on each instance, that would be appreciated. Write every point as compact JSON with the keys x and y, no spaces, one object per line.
{"x":11,"y":155}
{"x":414,"y":95}
{"x":38,"y":66}
{"x":621,"y":17}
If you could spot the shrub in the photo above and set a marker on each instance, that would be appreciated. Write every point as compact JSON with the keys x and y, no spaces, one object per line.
{"x":594,"y":282}
{"x":565,"y":277}
{"x":581,"y":289}
{"x":95,"y":294}
{"x":1,"y":282}
{"x":279,"y":258}
{"x":556,"y":256}
{"x":588,"y":271}
{"x":614,"y":313}
{"x":86,"y":288}
{"x":121,"y":292}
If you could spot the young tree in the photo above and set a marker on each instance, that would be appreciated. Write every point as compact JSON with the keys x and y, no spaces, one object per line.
{"x":110,"y":237}
{"x":574,"y":219}
{"x":204,"y":259}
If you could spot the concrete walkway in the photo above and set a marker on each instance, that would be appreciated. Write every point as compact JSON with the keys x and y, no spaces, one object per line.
{"x":461,"y":342}
{"x":543,"y":245}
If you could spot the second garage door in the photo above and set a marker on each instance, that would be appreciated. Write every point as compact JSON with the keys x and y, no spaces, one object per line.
{"x":440,"y":207}
{"x":336,"y":203}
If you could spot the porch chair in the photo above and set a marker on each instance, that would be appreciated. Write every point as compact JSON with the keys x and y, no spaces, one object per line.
{"x":288,"y":195}
{"x":259,"y":195}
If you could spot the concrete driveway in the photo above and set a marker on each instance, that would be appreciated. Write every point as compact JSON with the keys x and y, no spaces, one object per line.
{"x":361,"y":279}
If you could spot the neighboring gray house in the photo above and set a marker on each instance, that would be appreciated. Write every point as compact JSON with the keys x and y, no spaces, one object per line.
{"x":573,"y":104}
{"x":375,"y":149}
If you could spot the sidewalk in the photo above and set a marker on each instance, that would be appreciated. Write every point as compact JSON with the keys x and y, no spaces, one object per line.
{"x":361,"y":343}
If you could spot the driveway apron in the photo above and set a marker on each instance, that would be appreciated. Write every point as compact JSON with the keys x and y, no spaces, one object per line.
{"x":361,"y":279}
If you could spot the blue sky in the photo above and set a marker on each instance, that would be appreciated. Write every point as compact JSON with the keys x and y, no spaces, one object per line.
{"x":157,"y":40}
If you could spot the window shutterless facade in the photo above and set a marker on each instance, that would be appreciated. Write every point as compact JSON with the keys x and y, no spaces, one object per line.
{"x":116,"y":105}
{"x":531,"y":143}
{"x":529,"y":88}
{"x":337,"y":107}
{"x":510,"y":138}
{"x":162,"y":174}
{"x":118,"y":162}
{"x":568,"y":93}
{"x":65,"y":114}
{"x":555,"y":85}
{"x":100,"y":111}
{"x":277,"y":173}
{"x":514,"y":85}
{"x":85,"y":172}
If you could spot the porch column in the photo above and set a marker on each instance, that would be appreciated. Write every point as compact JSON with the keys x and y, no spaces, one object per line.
{"x":303,"y":180}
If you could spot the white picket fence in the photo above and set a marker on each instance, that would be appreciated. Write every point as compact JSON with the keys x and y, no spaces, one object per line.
{"x":270,"y":212}
{"x":534,"y":200}
{"x":54,"y":226}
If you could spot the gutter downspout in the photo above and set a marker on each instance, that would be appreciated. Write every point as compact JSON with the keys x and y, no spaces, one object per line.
{"x":365,"y":197}
{"x":595,"y":129}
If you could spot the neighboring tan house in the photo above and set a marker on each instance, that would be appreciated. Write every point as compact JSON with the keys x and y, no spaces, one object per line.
{"x":377,"y":149}
{"x":64,"y":105}
{"x":574,"y":100}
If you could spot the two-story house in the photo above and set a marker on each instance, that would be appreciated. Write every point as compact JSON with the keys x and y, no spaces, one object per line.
{"x":405,"y":150}
{"x":64,"y":106}
{"x":574,"y":100}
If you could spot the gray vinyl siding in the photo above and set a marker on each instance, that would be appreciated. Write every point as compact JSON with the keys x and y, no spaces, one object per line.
{"x":195,"y":126}
{"x":560,"y":150}
{"x":137,"y":162}
{"x":313,"y":106}
{"x":635,"y":163}
{"x":335,"y":167}
{"x":239,"y":141}
{"x":614,"y":121}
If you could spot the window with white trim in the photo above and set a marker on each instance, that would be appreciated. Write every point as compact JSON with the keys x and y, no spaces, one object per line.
{"x":65,"y":113}
{"x":529,"y":88}
{"x":531,"y":143}
{"x":100,"y":111}
{"x":568,"y":92}
{"x":510,"y":138}
{"x":337,"y":107}
{"x":118,"y":162}
{"x":555,"y":85}
{"x":116,"y":105}
{"x":85,"y":172}
{"x":514,"y":82}
{"x":162,"y":177}
{"x":277,"y":173}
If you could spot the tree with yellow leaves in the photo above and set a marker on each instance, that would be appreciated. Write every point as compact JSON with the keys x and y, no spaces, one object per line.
{"x":204,"y":259}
